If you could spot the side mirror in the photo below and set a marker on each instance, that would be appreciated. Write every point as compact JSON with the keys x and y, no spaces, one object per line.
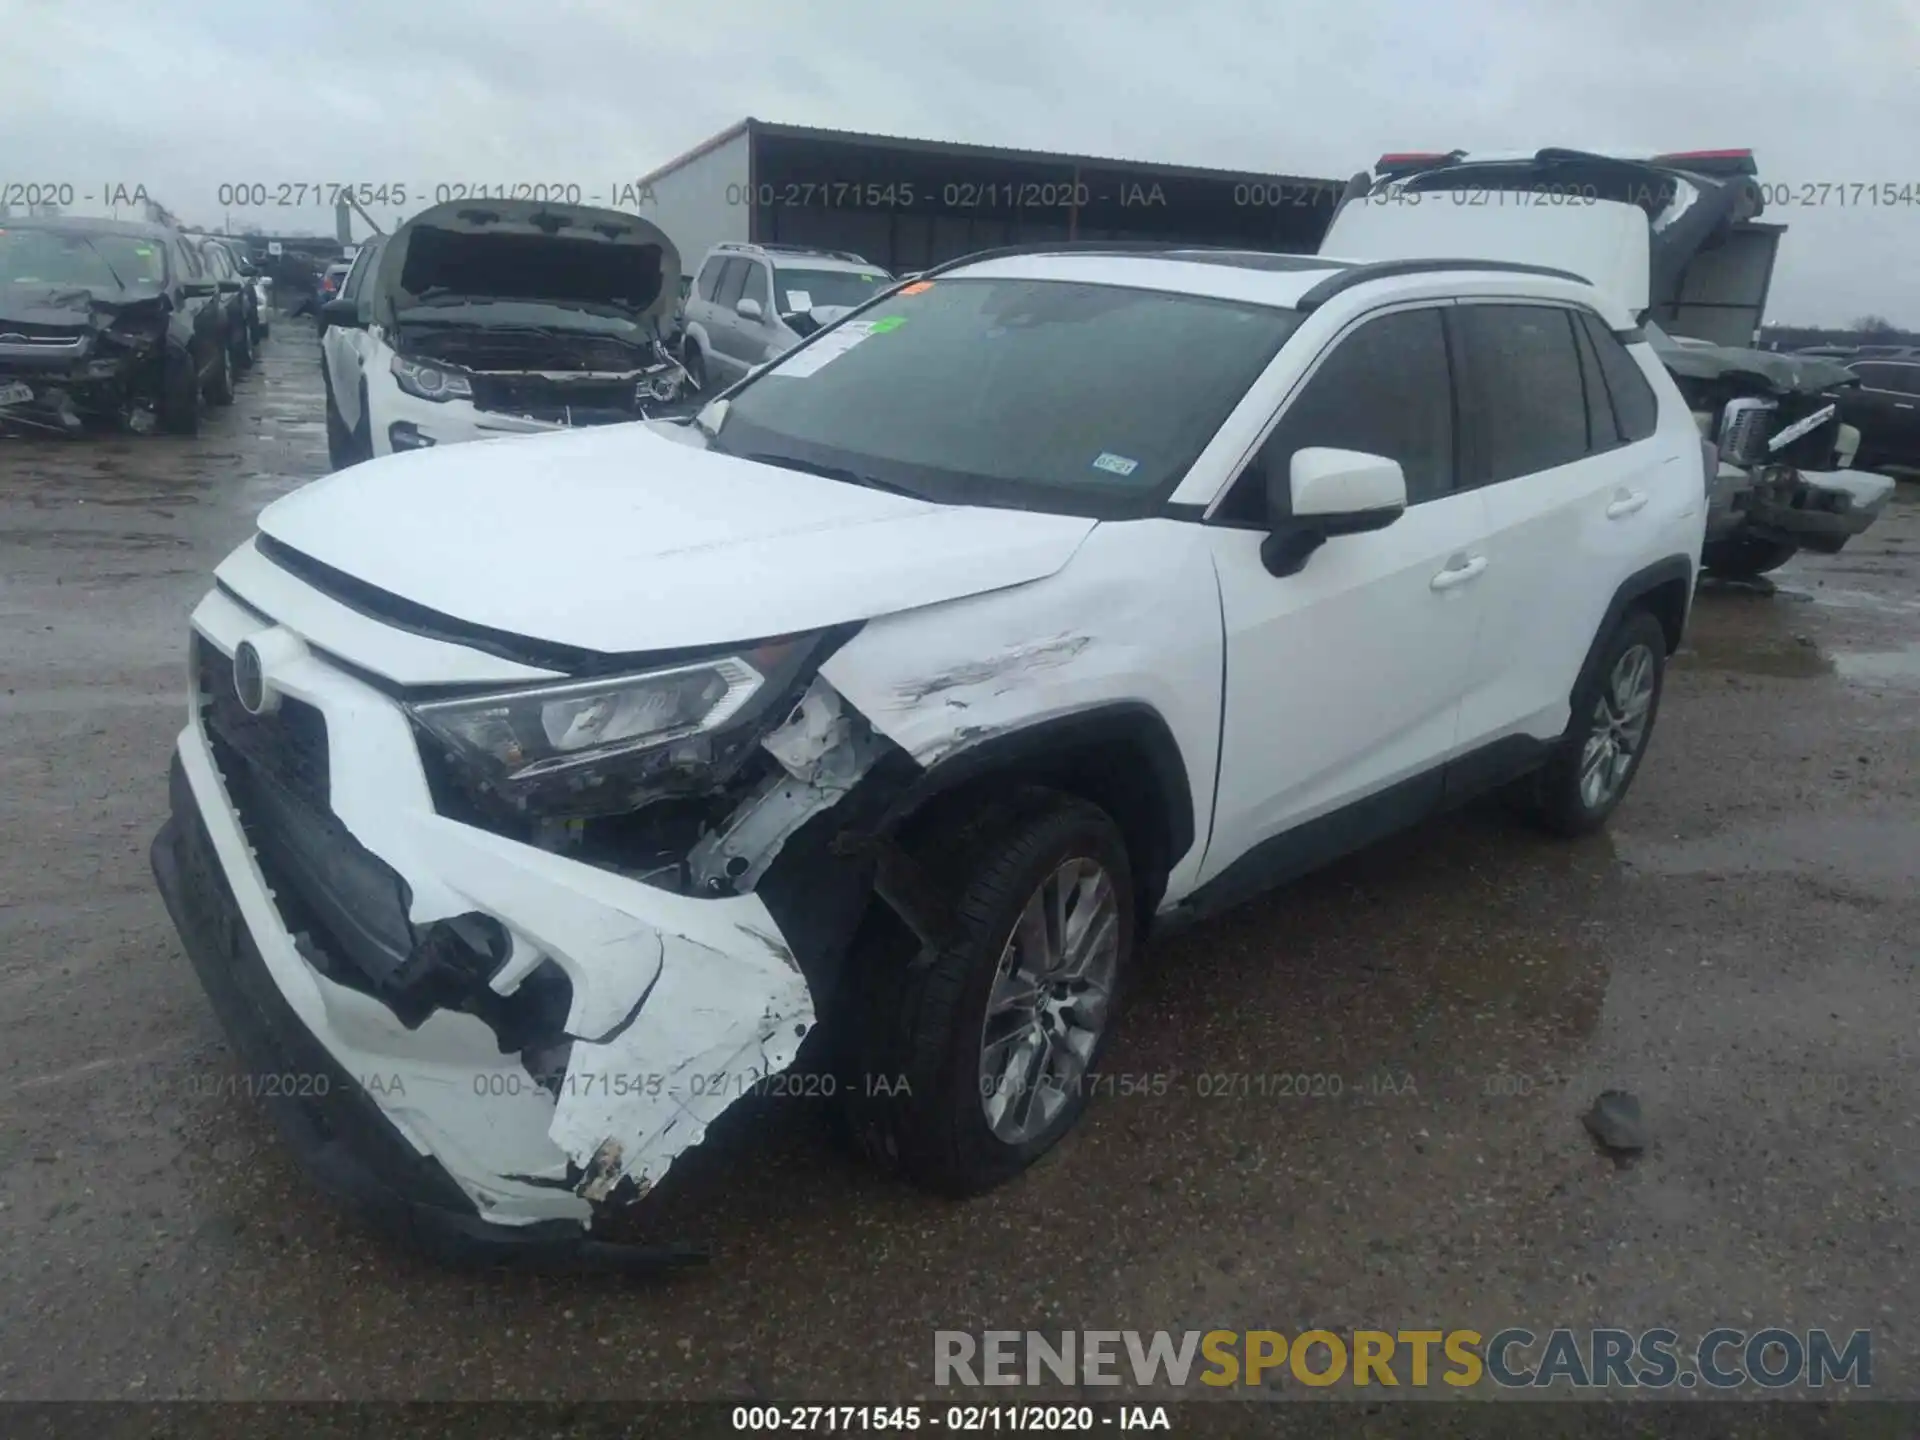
{"x":341,"y":312}
{"x":747,"y":308}
{"x":1328,"y":492}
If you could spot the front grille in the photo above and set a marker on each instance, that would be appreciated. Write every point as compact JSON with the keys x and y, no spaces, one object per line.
{"x":595,"y":402}
{"x":1744,"y":428}
{"x":289,"y":745}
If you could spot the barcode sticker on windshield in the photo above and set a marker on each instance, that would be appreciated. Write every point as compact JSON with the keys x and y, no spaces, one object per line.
{"x":1118,"y":464}
{"x":829,"y":347}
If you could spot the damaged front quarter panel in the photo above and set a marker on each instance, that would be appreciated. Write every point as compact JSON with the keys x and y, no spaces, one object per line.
{"x":726,"y":1005}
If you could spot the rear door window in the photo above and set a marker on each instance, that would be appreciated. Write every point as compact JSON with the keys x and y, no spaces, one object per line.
{"x":1526,"y":399}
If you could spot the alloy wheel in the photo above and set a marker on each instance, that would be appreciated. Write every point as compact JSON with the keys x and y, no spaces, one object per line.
{"x":1619,"y":727}
{"x":1051,"y":996}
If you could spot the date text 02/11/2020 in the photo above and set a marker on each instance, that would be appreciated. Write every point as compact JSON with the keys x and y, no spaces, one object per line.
{"x":962,"y":1419}
{"x":951,"y":195}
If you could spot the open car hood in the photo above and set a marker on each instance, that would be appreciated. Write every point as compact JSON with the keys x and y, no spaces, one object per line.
{"x":1769,"y":370}
{"x":74,"y":306}
{"x":619,"y":539}
{"x":529,"y":250}
{"x":1629,"y":227}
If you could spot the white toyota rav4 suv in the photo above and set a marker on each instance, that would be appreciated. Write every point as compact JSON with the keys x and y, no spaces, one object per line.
{"x":540,"y":796}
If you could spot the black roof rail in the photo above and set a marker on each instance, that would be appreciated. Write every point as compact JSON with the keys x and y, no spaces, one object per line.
{"x":1363,"y":274}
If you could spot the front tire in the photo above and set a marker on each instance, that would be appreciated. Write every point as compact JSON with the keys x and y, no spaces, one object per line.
{"x":1614,"y":708}
{"x":339,"y":438}
{"x":968,"y":1063}
{"x":180,"y":396}
{"x":695,"y":364}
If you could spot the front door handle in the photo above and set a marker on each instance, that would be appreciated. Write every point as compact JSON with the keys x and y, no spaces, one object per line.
{"x":1901,"y":405}
{"x":1458,"y":574}
{"x":1627,"y":505}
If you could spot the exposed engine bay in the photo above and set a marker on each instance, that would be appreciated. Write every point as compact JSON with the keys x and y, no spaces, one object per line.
{"x":550,"y":314}
{"x":551,"y":374}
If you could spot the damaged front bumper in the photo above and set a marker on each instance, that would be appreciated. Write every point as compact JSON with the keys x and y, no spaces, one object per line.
{"x":563,"y":1032}
{"x":55,"y":385}
{"x":1817,"y":510}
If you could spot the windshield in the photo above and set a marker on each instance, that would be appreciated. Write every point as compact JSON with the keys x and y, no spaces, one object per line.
{"x":61,"y":257}
{"x":1036,"y":394}
{"x":797,"y":291}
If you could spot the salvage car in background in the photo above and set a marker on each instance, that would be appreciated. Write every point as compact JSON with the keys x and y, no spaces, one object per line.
{"x":507,"y":317}
{"x":107,"y":323}
{"x":752,"y":303}
{"x":236,"y":298}
{"x":1885,"y":408}
{"x":325,"y":288}
{"x":1658,"y":235}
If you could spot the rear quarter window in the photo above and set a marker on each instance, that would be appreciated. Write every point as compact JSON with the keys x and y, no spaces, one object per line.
{"x":1634,"y":404}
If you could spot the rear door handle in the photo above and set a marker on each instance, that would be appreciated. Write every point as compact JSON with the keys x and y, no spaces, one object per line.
{"x":1458,"y":574}
{"x":1901,"y":405}
{"x":1627,"y":505}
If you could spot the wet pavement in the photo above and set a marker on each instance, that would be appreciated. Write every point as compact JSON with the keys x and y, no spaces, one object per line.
{"x":1354,"y":1104}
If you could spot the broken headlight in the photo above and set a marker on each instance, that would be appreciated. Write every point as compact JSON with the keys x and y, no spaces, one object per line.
{"x":429,"y":382}
{"x":517,"y":735}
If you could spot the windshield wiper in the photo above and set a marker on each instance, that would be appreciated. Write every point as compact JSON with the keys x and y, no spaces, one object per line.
{"x":833,"y":472}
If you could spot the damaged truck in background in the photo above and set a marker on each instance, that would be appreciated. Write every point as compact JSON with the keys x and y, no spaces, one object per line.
{"x":1676,"y":238}
{"x":483,"y":318}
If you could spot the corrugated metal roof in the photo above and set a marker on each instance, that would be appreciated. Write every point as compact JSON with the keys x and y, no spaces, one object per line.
{"x":771,"y":130}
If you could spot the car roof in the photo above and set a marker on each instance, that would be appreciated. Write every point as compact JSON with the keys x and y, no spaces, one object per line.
{"x":1251,"y":276}
{"x":792,"y":260}
{"x":88,"y":225}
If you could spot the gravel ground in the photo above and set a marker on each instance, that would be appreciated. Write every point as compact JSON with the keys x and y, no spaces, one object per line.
{"x":1738,"y":952}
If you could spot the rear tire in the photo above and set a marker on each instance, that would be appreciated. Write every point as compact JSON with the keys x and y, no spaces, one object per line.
{"x":1746,"y":557}
{"x":962,"y":1066}
{"x":220,"y":387}
{"x":1614,"y":707}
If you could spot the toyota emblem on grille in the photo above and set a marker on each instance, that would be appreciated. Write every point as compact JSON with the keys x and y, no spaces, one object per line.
{"x":249,"y":680}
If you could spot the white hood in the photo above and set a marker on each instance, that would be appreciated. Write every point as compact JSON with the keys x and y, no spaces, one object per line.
{"x":618,"y":539}
{"x":1605,"y":242}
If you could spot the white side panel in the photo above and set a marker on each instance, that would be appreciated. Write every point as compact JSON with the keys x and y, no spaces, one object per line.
{"x":945,"y":677}
{"x":703,"y":202}
{"x":1603,"y":241}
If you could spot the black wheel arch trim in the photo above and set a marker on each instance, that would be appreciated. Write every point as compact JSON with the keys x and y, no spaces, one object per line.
{"x":1127,"y":721}
{"x":1635,"y":588}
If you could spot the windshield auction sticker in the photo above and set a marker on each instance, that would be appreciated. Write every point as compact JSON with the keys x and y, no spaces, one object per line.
{"x":830,"y":347}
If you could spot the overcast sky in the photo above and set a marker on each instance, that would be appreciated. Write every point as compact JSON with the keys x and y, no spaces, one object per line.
{"x":184,"y":97}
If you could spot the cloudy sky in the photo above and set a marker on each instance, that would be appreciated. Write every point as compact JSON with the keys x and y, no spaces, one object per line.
{"x":183,"y":98}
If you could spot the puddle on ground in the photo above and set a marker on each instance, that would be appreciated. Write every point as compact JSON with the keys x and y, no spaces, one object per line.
{"x":1878,"y":856}
{"x":1784,"y":656}
{"x":1882,"y":667}
{"x":1836,"y":597}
